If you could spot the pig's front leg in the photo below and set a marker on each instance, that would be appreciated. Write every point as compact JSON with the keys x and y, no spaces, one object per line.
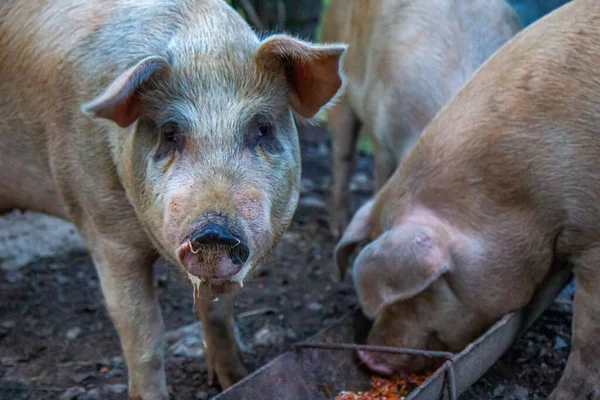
{"x":581,"y":378}
{"x":126,"y":279}
{"x":223,"y":355}
{"x":344,"y":127}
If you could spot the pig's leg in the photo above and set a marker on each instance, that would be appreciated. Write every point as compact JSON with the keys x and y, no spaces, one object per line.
{"x":223,"y":355}
{"x":385,"y":164}
{"x":344,"y":127}
{"x":581,"y":378}
{"x":126,"y":278}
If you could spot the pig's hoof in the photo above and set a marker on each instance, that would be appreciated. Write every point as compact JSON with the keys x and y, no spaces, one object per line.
{"x":227,"y":365}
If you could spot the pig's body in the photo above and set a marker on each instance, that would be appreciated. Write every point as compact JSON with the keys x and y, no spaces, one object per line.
{"x":502,"y":184}
{"x":405,"y":60}
{"x":188,"y":149}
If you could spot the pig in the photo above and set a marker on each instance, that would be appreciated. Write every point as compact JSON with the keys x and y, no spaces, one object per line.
{"x":501,"y":188}
{"x":405,"y":60}
{"x":160,"y":129}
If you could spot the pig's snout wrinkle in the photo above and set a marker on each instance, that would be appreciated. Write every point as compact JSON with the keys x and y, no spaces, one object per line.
{"x":213,"y":252}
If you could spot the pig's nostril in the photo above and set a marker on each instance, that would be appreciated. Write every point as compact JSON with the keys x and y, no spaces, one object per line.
{"x":214,"y":234}
{"x":239,"y":254}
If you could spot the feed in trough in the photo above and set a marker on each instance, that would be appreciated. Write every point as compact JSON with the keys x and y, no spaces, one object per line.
{"x":395,"y":388}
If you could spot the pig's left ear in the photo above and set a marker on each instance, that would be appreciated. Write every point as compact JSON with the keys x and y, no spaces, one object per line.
{"x":120,"y":102}
{"x":313,"y":71}
{"x":398,"y":266}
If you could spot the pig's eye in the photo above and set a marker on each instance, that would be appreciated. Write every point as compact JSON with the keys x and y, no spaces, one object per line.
{"x":264,"y":130}
{"x":171,"y":140}
{"x":263,"y":136}
{"x":170,"y":132}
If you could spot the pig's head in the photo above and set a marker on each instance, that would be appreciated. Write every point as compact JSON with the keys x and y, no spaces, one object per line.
{"x":206,"y":144}
{"x":403,"y":278}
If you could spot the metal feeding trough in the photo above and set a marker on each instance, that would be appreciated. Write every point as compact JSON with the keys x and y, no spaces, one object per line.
{"x":326,"y":364}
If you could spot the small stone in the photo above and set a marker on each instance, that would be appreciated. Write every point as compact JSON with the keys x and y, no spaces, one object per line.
{"x":73,"y":333}
{"x":78,"y":378}
{"x":92,"y":283}
{"x":14,"y":276}
{"x":95,"y":394}
{"x":520,"y":393}
{"x":117,"y":362}
{"x":312,"y":201}
{"x":9,"y":361}
{"x":498,"y":390}
{"x":117,"y":388}
{"x":55,"y":267}
{"x":307,"y":186}
{"x":360,"y":183}
{"x":323,"y":150}
{"x":314,"y":306}
{"x":72,"y":393}
{"x":115,"y":373}
{"x":186,"y":341}
{"x":201,"y":396}
{"x":8,"y":324}
{"x":268,"y":337}
{"x":62,"y":280}
{"x":291,"y":237}
{"x":290,"y":334}
{"x":560,"y":344}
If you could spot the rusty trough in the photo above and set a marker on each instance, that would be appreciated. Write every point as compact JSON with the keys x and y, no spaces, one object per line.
{"x":326,"y":364}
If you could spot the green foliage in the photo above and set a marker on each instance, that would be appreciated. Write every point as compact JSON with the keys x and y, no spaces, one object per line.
{"x":364,"y":144}
{"x":324,"y":5}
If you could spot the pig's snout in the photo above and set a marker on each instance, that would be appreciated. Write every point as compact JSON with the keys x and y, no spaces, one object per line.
{"x":213,"y":252}
{"x":375,"y":363}
{"x":394,"y":364}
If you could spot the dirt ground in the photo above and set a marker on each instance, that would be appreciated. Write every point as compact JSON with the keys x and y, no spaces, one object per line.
{"x":56,"y":341}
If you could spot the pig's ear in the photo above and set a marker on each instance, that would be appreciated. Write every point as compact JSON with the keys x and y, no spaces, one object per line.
{"x":397,"y":266}
{"x":120,"y":102}
{"x":356,"y":232}
{"x":313,"y":71}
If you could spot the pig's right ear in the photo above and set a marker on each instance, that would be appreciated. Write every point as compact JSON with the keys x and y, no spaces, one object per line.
{"x":312,"y":71}
{"x":356,"y":232}
{"x":120,"y":102}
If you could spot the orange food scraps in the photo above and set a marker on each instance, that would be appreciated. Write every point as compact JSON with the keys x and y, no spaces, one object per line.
{"x":395,"y":388}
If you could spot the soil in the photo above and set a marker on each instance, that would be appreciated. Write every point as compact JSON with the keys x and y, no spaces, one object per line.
{"x":56,"y":341}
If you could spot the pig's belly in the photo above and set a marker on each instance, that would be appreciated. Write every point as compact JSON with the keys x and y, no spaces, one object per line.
{"x":25,"y":178}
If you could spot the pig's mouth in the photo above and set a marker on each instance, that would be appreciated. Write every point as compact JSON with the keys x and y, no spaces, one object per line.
{"x":209,"y":290}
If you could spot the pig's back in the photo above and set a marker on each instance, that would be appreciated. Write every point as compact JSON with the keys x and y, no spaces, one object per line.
{"x":422,"y":52}
{"x":524,"y":133}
